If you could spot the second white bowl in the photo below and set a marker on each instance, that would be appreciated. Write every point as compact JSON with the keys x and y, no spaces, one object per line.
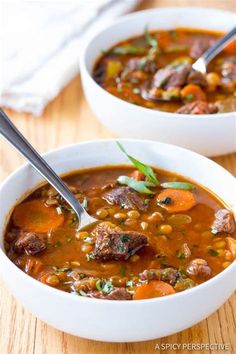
{"x":209,"y":135}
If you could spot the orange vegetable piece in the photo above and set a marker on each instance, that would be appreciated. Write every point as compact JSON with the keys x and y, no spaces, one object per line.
{"x":153,"y":289}
{"x":192,"y":93}
{"x":34,"y":216}
{"x":231,"y":48}
{"x":137,"y":175}
{"x":180,"y":200}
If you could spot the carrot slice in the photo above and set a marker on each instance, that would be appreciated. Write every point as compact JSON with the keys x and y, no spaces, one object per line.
{"x":175,"y":200}
{"x":155,"y":288}
{"x":192,"y":93}
{"x":34,"y":216}
{"x":230,"y":48}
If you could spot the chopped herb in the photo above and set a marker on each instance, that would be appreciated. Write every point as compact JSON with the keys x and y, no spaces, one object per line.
{"x":166,"y":200}
{"x":150,"y":40}
{"x":213,"y":252}
{"x":59,"y":210}
{"x":189,"y":98}
{"x":122,"y":270}
{"x":63,"y":269}
{"x":58,"y":244}
{"x":89,"y":256}
{"x":107,"y":287}
{"x":180,"y":61}
{"x":104,"y":286}
{"x":68,"y":239}
{"x":129,"y":283}
{"x":129,"y":49}
{"x":178,"y":185}
{"x":125,"y":238}
{"x":88,"y":240}
{"x":180,"y":254}
{"x":82,"y":275}
{"x":145,"y":169}
{"x":214,"y":231}
{"x":139,"y":186}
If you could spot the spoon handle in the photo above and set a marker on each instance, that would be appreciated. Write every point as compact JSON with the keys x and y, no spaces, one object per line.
{"x":216,"y":48}
{"x":219,"y":45}
{"x":12,"y":135}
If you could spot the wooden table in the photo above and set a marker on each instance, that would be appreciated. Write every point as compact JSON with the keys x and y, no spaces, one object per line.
{"x":67,"y":120}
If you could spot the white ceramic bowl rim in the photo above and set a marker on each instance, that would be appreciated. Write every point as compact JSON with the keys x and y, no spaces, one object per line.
{"x":68,"y":296}
{"x":130,"y":17}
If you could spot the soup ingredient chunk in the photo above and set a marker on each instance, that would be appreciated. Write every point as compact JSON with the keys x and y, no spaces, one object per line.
{"x":112,"y":243}
{"x":153,"y":289}
{"x":224,"y":222}
{"x":35,"y":216}
{"x":115,"y":294}
{"x":199,"y":268}
{"x":30,"y":242}
{"x":197,"y":107}
{"x":200,"y":46}
{"x":170,"y":275}
{"x":175,"y":200}
{"x":126,"y":198}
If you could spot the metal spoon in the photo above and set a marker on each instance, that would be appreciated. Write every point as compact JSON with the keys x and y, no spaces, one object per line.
{"x":13,"y":136}
{"x":199,"y":65}
{"x":202,"y":62}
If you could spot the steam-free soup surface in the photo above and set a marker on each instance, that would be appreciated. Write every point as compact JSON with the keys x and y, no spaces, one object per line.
{"x":154,"y":71}
{"x":146,"y":244}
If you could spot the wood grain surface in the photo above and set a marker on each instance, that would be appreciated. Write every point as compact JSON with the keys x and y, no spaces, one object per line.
{"x":67,"y":120}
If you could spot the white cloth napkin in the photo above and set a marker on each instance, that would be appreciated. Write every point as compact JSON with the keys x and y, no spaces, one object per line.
{"x":40,"y":46}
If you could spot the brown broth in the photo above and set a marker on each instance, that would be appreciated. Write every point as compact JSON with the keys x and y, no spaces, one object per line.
{"x":63,"y":247}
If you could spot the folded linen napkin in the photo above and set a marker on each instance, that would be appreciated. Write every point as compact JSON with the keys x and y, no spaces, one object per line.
{"x":41,"y":42}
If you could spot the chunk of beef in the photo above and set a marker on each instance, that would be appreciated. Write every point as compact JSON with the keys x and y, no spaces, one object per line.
{"x":200,"y":46}
{"x":144,"y":64}
{"x":199,"y":267}
{"x":112,"y":243}
{"x":197,"y":78}
{"x":172,"y":76}
{"x":115,"y":294}
{"x":197,"y":107}
{"x":170,"y":275}
{"x":125,"y":197}
{"x":30,"y":242}
{"x":224,"y":222}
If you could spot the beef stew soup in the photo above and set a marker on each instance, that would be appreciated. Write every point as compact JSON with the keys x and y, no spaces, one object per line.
{"x":158,"y":234}
{"x":154,"y":71}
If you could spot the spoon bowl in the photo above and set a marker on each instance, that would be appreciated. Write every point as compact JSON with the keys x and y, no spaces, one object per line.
{"x":15,"y":138}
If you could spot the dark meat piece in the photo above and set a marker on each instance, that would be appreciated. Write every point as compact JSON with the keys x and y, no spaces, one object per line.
{"x":197,"y":78}
{"x":112,"y":243}
{"x":170,"y":275}
{"x":200,"y":46}
{"x":224,"y":222}
{"x":144,"y":64}
{"x":197,"y":107}
{"x":199,"y":267}
{"x":172,"y":77}
{"x":30,"y":242}
{"x":125,"y":197}
{"x":115,"y":294}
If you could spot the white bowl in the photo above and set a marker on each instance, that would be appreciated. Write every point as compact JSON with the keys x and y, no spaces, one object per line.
{"x":118,"y":321}
{"x":209,"y":135}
